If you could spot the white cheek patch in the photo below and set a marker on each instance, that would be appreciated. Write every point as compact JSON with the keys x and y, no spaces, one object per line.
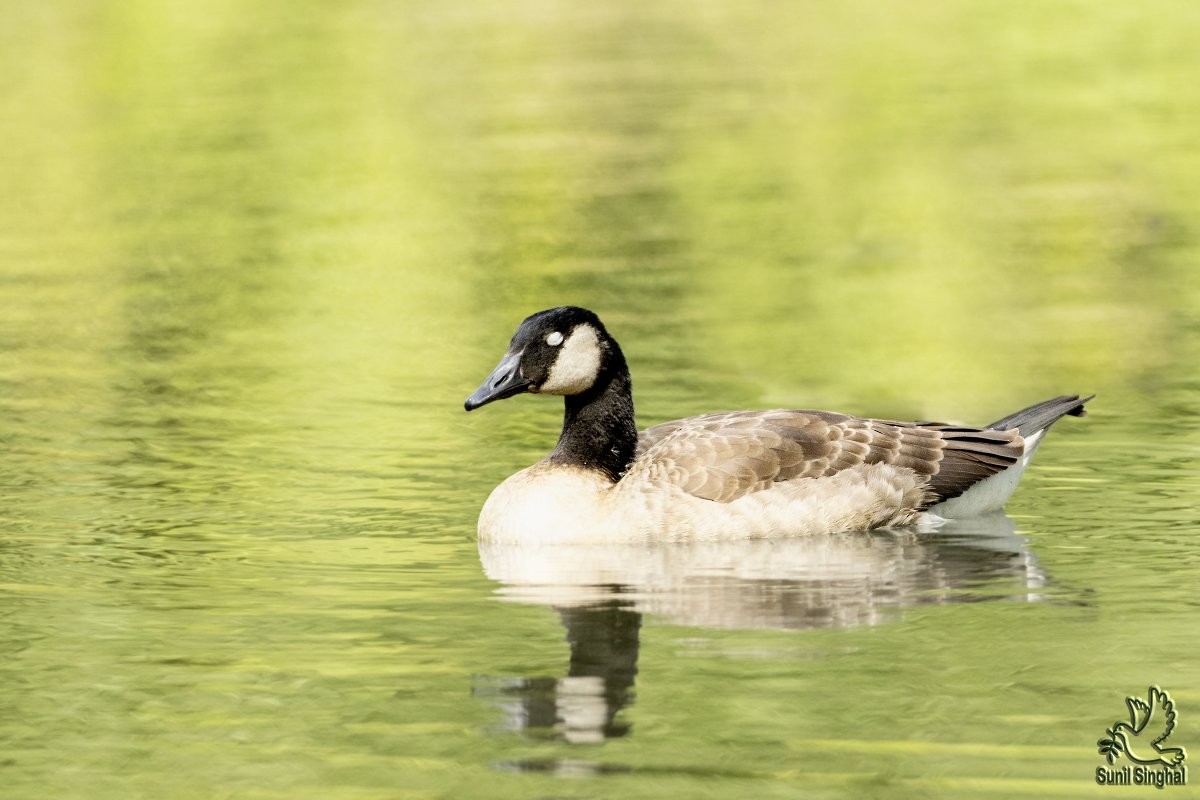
{"x":577,"y":365}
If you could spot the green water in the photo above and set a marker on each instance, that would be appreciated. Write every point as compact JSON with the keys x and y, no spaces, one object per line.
{"x":254,"y":256}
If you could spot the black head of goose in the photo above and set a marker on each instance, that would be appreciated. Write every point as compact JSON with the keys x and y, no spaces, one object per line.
{"x":738,"y":474}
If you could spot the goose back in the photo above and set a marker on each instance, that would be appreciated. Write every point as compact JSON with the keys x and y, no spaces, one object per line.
{"x":725,"y":456}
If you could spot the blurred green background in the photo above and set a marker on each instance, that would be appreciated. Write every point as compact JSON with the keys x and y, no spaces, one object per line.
{"x":253,"y":257}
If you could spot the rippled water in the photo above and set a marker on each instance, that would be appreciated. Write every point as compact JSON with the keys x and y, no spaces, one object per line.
{"x":253,"y":259}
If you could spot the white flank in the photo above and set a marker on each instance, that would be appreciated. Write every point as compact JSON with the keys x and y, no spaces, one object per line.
{"x":578,"y":363}
{"x":990,"y":494}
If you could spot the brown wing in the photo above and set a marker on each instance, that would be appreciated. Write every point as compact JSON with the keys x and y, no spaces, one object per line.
{"x":723,"y":457}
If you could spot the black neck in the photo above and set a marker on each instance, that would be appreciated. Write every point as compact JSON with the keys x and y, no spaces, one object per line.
{"x":598,"y":429}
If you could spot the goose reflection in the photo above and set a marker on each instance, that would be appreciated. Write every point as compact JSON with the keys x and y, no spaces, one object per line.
{"x":601,"y":593}
{"x":582,"y":706}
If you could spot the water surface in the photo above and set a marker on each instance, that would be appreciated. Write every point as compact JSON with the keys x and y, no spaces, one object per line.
{"x":253,"y":259}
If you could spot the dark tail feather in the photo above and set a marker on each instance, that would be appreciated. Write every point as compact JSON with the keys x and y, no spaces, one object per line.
{"x":1029,"y":421}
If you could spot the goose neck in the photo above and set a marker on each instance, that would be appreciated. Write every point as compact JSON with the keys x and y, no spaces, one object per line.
{"x":598,"y":428}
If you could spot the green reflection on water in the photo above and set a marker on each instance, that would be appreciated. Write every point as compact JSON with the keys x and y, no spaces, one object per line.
{"x":252,"y":259}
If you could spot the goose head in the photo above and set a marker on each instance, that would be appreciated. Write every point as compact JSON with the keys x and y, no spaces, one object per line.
{"x":560,"y":351}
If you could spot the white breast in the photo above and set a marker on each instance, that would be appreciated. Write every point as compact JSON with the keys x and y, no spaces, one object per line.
{"x":547,"y":503}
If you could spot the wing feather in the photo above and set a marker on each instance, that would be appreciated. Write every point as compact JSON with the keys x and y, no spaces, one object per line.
{"x":724,"y":456}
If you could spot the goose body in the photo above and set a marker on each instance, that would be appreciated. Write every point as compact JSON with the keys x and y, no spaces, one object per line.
{"x":742,"y":474}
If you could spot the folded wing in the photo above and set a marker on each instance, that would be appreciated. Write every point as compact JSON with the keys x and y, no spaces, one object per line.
{"x":722,"y":457}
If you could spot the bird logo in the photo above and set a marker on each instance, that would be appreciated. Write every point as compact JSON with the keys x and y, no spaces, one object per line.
{"x":1139,"y":740}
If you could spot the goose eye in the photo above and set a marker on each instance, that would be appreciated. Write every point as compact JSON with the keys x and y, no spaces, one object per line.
{"x":554,"y":339}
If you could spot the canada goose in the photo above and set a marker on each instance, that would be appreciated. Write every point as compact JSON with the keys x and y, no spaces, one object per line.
{"x":741,"y":474}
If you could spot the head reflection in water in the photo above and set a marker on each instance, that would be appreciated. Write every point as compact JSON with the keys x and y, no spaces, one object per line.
{"x":600,"y":593}
{"x":582,"y":706}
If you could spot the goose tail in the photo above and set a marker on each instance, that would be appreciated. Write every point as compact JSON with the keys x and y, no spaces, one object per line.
{"x":991,"y":493}
{"x":1040,"y":416}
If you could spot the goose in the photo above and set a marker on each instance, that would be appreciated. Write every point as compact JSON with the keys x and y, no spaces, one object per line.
{"x":730,"y":475}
